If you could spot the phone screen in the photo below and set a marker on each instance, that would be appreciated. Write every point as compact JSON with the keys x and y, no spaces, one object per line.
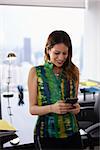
{"x":71,"y":100}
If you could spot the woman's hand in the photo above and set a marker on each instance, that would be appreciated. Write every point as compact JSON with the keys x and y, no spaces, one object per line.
{"x":75,"y":109}
{"x":60,"y":107}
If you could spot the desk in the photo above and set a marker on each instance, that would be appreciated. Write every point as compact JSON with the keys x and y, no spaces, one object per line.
{"x":6,"y":136}
{"x":89,"y":90}
{"x":7,"y":132}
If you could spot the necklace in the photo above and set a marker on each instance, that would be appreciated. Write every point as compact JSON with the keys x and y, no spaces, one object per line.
{"x":57,"y":74}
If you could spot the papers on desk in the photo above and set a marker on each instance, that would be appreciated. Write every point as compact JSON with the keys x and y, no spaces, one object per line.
{"x":88,"y":83}
{"x":6,"y":129}
{"x":6,"y":126}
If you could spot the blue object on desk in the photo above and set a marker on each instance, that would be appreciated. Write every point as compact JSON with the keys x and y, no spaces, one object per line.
{"x":90,"y":90}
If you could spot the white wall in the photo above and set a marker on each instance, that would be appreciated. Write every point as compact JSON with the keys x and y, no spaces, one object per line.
{"x":92,"y":41}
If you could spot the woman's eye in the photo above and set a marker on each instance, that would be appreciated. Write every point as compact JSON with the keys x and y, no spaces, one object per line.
{"x":57,"y":53}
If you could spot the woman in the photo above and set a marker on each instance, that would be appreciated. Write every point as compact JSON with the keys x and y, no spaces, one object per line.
{"x":49,"y":85}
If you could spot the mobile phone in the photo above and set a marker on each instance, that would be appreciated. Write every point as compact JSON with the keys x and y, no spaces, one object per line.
{"x":71,"y":100}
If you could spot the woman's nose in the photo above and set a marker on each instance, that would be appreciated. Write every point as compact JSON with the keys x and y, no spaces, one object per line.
{"x":61,"y":57}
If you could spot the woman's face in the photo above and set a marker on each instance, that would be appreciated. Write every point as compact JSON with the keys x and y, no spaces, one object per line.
{"x":58,"y":54}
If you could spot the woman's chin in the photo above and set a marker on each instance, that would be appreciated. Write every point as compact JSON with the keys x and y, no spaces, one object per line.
{"x":59,"y":66}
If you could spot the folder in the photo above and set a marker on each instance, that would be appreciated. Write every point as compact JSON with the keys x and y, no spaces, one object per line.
{"x":6,"y":129}
{"x":88,"y":83}
{"x":6,"y":126}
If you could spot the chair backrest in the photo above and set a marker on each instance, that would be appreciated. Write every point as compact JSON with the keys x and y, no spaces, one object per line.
{"x":97,"y":107}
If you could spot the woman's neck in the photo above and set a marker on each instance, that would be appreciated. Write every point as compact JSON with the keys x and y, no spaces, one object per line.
{"x":57,"y":70}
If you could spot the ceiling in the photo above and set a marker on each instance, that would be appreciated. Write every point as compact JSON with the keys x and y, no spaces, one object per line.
{"x":49,"y":3}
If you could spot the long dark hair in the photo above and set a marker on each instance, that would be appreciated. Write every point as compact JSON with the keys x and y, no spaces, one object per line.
{"x":56,"y":37}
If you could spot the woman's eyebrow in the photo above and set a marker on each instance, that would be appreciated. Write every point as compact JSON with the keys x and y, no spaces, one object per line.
{"x":58,"y":50}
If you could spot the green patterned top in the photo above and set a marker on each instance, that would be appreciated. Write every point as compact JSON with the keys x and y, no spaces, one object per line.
{"x":50,"y":90}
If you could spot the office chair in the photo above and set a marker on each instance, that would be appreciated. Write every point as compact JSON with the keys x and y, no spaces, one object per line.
{"x":89,"y":121}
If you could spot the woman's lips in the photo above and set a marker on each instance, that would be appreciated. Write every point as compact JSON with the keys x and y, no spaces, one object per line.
{"x":60,"y":63}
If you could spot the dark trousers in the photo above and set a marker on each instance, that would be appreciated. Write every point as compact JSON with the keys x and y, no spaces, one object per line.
{"x":71,"y":143}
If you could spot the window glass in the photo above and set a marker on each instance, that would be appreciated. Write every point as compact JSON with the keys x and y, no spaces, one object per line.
{"x":24,"y":31}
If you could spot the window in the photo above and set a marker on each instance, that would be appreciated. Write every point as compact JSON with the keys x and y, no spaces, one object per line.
{"x":24,"y":30}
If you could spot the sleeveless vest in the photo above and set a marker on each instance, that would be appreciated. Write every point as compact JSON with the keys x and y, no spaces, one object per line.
{"x":50,"y":90}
